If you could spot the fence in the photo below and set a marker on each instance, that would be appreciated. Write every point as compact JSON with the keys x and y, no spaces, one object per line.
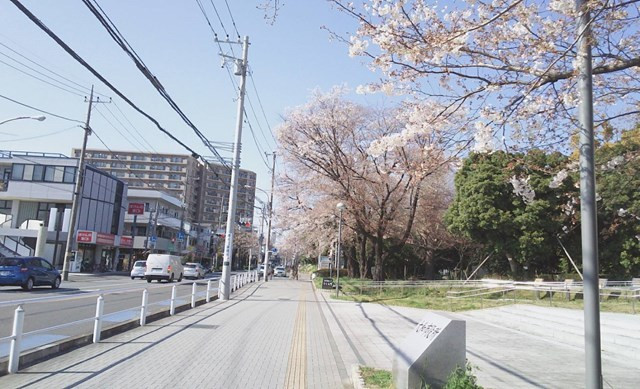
{"x":491,"y":291}
{"x":15,"y":339}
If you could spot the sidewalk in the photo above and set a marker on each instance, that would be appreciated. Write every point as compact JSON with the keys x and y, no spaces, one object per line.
{"x":368,"y":334}
{"x":270,"y":335}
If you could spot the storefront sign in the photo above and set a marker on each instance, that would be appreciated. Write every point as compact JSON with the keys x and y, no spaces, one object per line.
{"x":105,"y":239}
{"x":135,"y":209}
{"x":85,"y":237}
{"x":126,"y":241}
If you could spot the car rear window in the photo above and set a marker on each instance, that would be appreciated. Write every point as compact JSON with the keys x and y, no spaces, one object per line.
{"x":140,"y":264}
{"x":190,"y":266}
{"x":11,"y":261}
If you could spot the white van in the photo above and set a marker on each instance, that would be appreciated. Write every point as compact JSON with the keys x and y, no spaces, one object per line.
{"x":163,"y":267}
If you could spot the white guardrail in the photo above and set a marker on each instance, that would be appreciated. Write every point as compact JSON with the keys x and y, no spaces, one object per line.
{"x":15,"y":339}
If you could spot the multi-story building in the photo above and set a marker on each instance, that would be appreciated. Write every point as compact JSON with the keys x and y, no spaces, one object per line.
{"x":204,"y":189}
{"x":178,"y":175}
{"x":214,"y":197}
{"x":37,"y":189}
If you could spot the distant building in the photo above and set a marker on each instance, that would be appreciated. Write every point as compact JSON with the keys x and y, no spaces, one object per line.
{"x":204,"y":190}
{"x":38,"y":188}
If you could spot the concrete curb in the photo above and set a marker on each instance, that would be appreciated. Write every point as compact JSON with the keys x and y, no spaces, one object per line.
{"x":356,"y":378}
{"x":40,"y":354}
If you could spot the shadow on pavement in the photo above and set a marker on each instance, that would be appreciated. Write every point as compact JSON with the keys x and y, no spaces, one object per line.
{"x":93,"y":374}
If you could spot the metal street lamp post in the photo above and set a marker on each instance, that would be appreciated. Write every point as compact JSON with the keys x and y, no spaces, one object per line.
{"x":340,"y":207}
{"x":38,"y":118}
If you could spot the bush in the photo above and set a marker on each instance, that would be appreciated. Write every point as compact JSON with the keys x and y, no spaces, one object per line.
{"x":325,"y":273}
{"x":462,"y":378}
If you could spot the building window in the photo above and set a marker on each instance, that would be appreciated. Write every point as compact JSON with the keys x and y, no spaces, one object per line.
{"x":70,"y":174}
{"x":176,"y":168}
{"x":17,"y":171}
{"x":177,"y":159}
{"x":157,"y":167}
{"x":157,"y":158}
{"x":5,"y":207}
{"x":138,"y":158}
{"x":138,"y":166}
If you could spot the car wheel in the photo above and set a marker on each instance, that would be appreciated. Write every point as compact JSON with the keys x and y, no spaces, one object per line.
{"x":56,"y":283}
{"x":180,"y":279}
{"x":171,"y":279}
{"x":28,"y":285}
{"x":149,"y":280}
{"x":133,"y":278}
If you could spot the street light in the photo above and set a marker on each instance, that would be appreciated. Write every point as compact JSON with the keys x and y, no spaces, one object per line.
{"x":341,"y":208}
{"x":38,"y":118}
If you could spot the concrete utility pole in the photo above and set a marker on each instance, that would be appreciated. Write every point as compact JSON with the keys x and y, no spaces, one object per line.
{"x":268,"y":240}
{"x":588,"y":224}
{"x":76,"y":196}
{"x":241,"y":70}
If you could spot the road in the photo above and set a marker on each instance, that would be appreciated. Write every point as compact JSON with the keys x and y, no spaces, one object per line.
{"x":122,"y":299}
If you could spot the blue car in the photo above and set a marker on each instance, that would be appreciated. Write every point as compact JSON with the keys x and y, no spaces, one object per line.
{"x":28,"y":272}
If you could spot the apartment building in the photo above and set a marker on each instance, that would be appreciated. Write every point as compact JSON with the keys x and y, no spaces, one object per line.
{"x":177,"y":175}
{"x":204,"y":189}
{"x":214,"y":197}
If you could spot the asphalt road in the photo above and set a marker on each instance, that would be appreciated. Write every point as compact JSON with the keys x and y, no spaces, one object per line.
{"x":121,"y":303}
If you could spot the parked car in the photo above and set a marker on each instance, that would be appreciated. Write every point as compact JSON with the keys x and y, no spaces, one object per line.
{"x":261,"y":270}
{"x":194,"y":270}
{"x":138,"y":269}
{"x":28,"y":272}
{"x":163,"y":267}
{"x":279,"y":272}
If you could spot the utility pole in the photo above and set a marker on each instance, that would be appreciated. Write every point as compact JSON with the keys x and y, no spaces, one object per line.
{"x":76,"y":196}
{"x":588,"y":224}
{"x":268,"y":240}
{"x":241,"y":70}
{"x":155,"y":226}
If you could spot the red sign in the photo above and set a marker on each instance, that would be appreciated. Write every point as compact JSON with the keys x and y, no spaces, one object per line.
{"x":105,"y":239}
{"x":85,"y":237}
{"x":126,"y":241}
{"x":135,"y":209}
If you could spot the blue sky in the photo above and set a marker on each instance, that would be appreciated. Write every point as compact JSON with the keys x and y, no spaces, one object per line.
{"x":288,"y":59}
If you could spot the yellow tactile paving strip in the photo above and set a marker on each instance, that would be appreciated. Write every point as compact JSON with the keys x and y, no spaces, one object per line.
{"x":296,"y":377}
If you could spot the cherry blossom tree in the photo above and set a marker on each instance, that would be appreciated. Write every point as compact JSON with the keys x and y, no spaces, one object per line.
{"x":331,"y":154}
{"x":509,"y":65}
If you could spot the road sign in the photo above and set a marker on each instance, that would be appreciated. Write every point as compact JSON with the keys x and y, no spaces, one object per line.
{"x":135,"y":209}
{"x":153,"y":239}
{"x":180,"y":236}
{"x":274,"y":250}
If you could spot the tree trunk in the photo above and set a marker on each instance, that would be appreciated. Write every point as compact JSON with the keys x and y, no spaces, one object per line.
{"x":351,"y":261}
{"x":428,"y":265}
{"x":378,"y":271}
{"x":363,"y":260}
{"x":513,"y":265}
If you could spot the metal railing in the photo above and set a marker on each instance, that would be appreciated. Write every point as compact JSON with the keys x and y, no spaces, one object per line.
{"x":499,"y":291}
{"x":17,"y":334}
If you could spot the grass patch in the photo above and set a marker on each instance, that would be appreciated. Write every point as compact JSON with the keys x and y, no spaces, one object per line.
{"x":436,"y":298}
{"x":376,"y":378}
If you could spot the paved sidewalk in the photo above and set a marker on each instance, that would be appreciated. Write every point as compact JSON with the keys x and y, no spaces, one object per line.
{"x":270,"y":335}
{"x":368,"y":333}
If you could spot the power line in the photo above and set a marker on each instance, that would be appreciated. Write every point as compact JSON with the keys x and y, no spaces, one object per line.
{"x":41,"y":79}
{"x":133,"y":127}
{"x":39,"y":136}
{"x":118,"y":131}
{"x":85,"y":89}
{"x":126,"y":47}
{"x":41,"y":110}
{"x":232,"y":19}
{"x":84,"y":63}
{"x":261,"y":106}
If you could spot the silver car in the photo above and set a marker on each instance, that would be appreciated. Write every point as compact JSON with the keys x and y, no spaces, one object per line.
{"x":279,"y":272}
{"x":193,"y":270}
{"x":138,"y":269}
